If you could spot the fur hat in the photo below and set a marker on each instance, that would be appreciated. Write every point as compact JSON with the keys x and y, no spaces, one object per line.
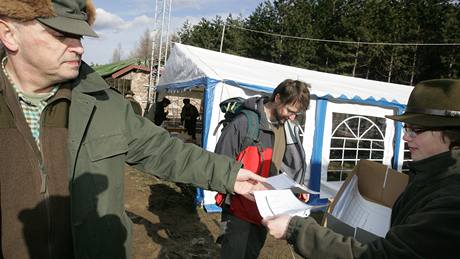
{"x":433,"y":104}
{"x":70,"y":16}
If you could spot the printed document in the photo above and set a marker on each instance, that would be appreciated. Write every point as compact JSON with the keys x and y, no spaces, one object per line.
{"x":275,"y":202}
{"x":283,"y":181}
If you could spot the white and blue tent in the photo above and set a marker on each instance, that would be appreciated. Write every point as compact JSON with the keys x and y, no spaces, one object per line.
{"x":345,"y":121}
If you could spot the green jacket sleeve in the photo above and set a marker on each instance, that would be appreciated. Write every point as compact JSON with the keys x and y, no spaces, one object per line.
{"x":151,"y":149}
{"x":429,"y":232}
{"x":311,"y":240}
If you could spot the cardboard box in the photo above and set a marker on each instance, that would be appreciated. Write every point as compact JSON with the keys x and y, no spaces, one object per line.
{"x":380,"y":186}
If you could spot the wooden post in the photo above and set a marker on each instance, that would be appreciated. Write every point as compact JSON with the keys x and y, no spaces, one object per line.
{"x":414,"y":62}
{"x":391,"y":66}
{"x":222,"y":38}
{"x":356,"y":60}
{"x":451,"y":63}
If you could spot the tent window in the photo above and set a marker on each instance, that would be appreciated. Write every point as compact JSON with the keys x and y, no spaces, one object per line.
{"x":354,"y":137}
{"x":407,"y":158}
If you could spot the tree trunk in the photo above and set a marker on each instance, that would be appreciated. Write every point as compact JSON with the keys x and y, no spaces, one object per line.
{"x":391,"y":66}
{"x":356,"y":60}
{"x":414,"y":62}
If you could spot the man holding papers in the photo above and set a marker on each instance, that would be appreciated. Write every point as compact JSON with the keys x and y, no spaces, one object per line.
{"x":425,"y":220}
{"x":277,"y":148}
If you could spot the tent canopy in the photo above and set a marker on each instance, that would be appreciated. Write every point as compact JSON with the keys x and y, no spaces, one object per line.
{"x":189,"y":67}
{"x":222,"y":76}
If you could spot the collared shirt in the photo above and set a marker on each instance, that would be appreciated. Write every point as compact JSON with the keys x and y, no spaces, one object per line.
{"x":32,"y":105}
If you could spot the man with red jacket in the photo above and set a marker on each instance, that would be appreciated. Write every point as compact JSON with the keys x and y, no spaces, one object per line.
{"x":278,"y":148}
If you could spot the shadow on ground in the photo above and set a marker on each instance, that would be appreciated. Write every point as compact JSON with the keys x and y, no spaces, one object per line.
{"x":180,"y":233}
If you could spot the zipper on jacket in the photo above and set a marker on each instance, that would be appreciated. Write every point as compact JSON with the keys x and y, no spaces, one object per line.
{"x":46,"y":202}
{"x":44,"y":186}
{"x":44,"y":180}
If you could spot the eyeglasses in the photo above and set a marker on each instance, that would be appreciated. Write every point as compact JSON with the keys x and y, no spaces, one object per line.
{"x":291,"y":112}
{"x":413,"y":132}
{"x":296,"y":113}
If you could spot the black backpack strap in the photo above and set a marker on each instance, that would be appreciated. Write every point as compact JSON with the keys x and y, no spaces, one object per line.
{"x":217,"y":127}
{"x":252,"y":135}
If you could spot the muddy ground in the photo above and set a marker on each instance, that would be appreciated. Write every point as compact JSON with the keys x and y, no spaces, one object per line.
{"x":167,"y":224}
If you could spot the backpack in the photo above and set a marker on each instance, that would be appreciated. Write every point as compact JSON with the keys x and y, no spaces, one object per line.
{"x":252,"y":155}
{"x":233,"y":107}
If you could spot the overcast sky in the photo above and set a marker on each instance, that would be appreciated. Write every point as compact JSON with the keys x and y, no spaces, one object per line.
{"x":124,"y":21}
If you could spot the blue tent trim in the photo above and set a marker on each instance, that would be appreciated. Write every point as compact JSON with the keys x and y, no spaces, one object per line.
{"x":184,"y":85}
{"x":369,"y":101}
{"x":398,"y":129}
{"x":317,"y":152}
{"x":208,"y":99}
{"x":249,"y":86}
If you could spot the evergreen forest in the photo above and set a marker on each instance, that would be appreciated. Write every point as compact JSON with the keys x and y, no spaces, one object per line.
{"x":398,"y":41}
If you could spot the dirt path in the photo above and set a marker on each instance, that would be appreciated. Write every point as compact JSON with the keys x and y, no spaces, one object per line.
{"x":167,"y":225}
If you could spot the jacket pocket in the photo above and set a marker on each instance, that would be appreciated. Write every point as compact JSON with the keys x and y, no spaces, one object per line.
{"x":106,"y":147}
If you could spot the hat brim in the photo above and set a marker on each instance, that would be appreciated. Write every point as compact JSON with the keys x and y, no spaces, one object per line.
{"x":424,"y":120}
{"x":69,"y":25}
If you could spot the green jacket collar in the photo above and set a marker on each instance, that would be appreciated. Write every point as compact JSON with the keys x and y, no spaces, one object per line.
{"x":436,"y":167}
{"x":88,"y":81}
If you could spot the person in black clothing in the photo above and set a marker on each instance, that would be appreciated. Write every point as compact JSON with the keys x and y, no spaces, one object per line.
{"x":160,"y":113}
{"x":156,"y":113}
{"x":189,"y":115}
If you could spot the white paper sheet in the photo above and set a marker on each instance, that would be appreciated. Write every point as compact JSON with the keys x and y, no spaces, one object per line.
{"x":275,"y":202}
{"x":283,"y":181}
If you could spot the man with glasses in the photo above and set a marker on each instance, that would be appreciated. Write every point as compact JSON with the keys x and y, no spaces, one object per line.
{"x":277,"y":148}
{"x":425,"y":220}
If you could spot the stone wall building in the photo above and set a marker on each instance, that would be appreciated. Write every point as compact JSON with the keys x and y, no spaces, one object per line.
{"x":128,"y":75}
{"x":131,"y":75}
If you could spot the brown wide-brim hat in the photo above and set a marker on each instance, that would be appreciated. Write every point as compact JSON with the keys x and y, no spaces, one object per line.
{"x":433,"y":104}
{"x":68,"y":16}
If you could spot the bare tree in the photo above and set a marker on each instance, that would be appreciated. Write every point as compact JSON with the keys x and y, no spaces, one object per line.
{"x":144,"y":47}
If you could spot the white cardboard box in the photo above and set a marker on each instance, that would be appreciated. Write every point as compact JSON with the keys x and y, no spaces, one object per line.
{"x":365,"y":215}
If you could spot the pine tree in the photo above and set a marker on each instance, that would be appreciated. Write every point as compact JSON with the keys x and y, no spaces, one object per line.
{"x":264,"y":47}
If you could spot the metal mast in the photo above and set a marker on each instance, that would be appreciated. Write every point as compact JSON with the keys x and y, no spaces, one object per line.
{"x":168,"y":38}
{"x":159,"y":32}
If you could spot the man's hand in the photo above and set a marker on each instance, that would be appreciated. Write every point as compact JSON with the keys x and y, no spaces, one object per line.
{"x":247,"y":182}
{"x":277,"y":225}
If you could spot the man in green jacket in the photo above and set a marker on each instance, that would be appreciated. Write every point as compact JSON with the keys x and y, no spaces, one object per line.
{"x":65,"y":137}
{"x":425,"y":220}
